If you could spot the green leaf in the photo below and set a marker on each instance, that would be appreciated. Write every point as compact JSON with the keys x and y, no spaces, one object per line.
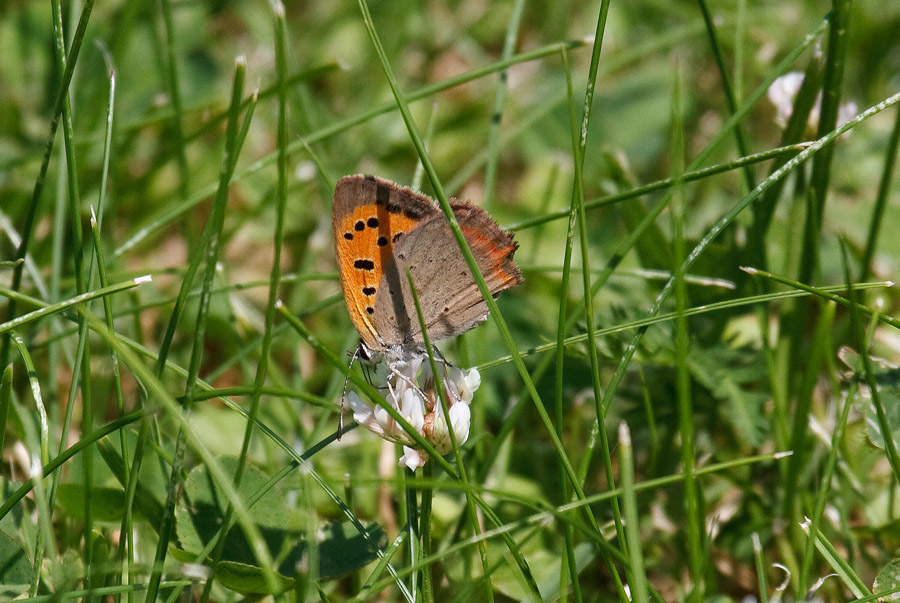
{"x":200,"y":513}
{"x":107,"y":504}
{"x":146,"y":504}
{"x":887,"y":379}
{"x":343,"y":549}
{"x":15,"y":567}
{"x":730,"y":374}
{"x":888,"y":579}
{"x":248,"y":579}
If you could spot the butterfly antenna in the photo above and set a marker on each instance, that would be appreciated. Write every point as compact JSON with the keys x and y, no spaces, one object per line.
{"x":340,"y":429}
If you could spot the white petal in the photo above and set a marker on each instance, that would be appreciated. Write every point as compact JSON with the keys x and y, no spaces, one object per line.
{"x":384,"y":420}
{"x":413,"y":408}
{"x":461,"y":419}
{"x":469,"y":384}
{"x":782,"y":93}
{"x":412,"y":458}
{"x":363,"y":413}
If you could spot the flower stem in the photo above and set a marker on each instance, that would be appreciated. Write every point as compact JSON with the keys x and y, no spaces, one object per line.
{"x":412,"y":527}
{"x":425,"y":531}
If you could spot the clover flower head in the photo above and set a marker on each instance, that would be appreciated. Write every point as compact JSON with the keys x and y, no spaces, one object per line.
{"x":411,"y":392}
{"x":783,"y":92}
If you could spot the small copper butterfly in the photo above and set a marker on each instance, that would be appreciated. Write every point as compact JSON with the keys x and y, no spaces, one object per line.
{"x":380,"y":230}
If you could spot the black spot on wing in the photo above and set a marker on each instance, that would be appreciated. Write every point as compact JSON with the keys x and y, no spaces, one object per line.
{"x":364,"y":264}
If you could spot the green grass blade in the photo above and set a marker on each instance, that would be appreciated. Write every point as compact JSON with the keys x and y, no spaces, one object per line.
{"x":564,"y":488}
{"x":884,"y":187}
{"x":849,"y":577}
{"x":5,"y":400}
{"x":740,"y":137}
{"x":638,"y":582}
{"x":890,"y":446}
{"x":174,"y":89}
{"x":693,"y":502}
{"x":48,"y":310}
{"x":505,"y":334}
{"x":37,"y":192}
{"x":493,"y":146}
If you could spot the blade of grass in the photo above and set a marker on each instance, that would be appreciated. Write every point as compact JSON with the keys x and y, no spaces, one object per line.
{"x":824,"y":292}
{"x":230,"y":156}
{"x":638,"y":582}
{"x":50,"y":309}
{"x":693,"y":502}
{"x":630,"y":240}
{"x":793,"y":133}
{"x":81,"y":358}
{"x":126,"y":543}
{"x":835,"y":59}
{"x":5,"y":400}
{"x":760,"y":568}
{"x":828,"y":293}
{"x":850,"y":578}
{"x":425,"y":526}
{"x":163,"y":220}
{"x":275,"y":278}
{"x":740,"y":138}
{"x":884,"y":187}
{"x":215,"y":224}
{"x":175,"y":124}
{"x":578,"y":132}
{"x":543,"y":516}
{"x":890,"y":447}
{"x":666,"y":183}
{"x":559,"y":376}
{"x":493,"y":146}
{"x":837,"y":438}
{"x":461,"y":241}
{"x":37,"y":192}
{"x":799,"y":442}
{"x":39,"y":463}
{"x":727,"y":220}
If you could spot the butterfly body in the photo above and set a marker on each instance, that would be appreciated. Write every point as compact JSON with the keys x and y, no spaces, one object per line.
{"x":381,"y":230}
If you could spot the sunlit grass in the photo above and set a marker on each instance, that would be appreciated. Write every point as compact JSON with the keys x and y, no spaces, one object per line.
{"x":696,"y":381}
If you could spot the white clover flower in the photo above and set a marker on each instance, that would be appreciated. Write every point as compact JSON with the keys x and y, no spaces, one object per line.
{"x":411,"y":392}
{"x":783,"y":92}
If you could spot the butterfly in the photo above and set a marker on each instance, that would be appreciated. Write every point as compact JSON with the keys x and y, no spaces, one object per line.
{"x":381,"y":230}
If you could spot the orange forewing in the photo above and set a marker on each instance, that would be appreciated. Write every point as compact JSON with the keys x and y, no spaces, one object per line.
{"x":364,"y":241}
